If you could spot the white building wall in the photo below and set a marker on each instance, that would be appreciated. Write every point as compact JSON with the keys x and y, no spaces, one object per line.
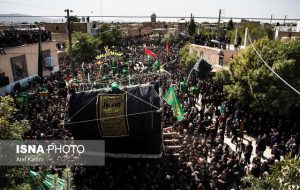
{"x":31,"y":56}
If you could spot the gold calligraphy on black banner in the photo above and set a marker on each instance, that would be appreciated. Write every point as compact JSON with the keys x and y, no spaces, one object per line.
{"x":112,"y":111}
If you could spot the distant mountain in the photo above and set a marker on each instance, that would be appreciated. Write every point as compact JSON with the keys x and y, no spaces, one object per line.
{"x":24,"y":19}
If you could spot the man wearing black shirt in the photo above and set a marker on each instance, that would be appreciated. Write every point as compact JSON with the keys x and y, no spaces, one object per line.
{"x":248,"y":152}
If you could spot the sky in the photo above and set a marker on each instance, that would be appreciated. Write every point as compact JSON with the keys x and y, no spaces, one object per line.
{"x":207,"y":8}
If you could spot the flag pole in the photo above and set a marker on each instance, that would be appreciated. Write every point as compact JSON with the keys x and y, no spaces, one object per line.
{"x":187,"y":80}
{"x":194,"y":67}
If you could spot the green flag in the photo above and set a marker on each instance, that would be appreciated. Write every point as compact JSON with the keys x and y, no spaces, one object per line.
{"x":170,"y":96}
{"x":172,"y":100}
{"x":156,"y":66}
{"x":114,"y":69}
{"x":183,"y":87}
{"x":178,"y":111}
{"x":194,"y":90}
{"x":125,"y":72}
{"x":20,"y":100}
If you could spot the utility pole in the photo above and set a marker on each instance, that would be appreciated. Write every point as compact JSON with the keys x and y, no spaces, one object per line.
{"x":219,"y":20}
{"x":285,"y":16}
{"x":70,"y":39}
{"x":236,"y":35}
{"x":246,"y":37}
{"x":271,"y":19}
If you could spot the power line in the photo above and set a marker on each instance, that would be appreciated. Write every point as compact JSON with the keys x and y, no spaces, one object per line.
{"x":70,"y":37}
{"x":140,"y":99}
{"x":271,"y":68}
{"x":177,"y":17}
{"x":91,"y":120}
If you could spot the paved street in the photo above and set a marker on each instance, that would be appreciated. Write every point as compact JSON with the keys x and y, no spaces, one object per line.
{"x":227,"y":140}
{"x":267,"y":152}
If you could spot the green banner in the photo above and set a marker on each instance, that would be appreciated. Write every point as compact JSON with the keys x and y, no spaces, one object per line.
{"x":172,"y":100}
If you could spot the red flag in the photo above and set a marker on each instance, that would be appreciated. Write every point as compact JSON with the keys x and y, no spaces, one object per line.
{"x":167,"y":46}
{"x":149,"y":52}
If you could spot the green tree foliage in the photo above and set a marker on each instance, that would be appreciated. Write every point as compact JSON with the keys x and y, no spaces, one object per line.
{"x":190,"y":61}
{"x":108,"y":35}
{"x":208,"y":31}
{"x":253,"y":182}
{"x":230,"y":25}
{"x":256,"y":31}
{"x":222,"y":77}
{"x":84,"y":46}
{"x":192,"y":26}
{"x":254,"y":84}
{"x":184,"y":52}
{"x":74,"y":19}
{"x":186,"y":59}
{"x":284,"y":175}
{"x":10,"y":129}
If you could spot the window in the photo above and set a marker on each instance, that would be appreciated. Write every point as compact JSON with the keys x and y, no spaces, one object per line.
{"x":19,"y":67}
{"x":46,"y":59}
{"x":57,"y":28}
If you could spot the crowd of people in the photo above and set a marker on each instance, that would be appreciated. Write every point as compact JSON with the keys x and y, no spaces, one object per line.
{"x":17,"y":37}
{"x":201,"y":160}
{"x":212,"y":40}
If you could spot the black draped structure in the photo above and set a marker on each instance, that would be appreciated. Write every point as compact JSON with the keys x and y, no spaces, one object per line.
{"x":203,"y":69}
{"x":143,"y":121}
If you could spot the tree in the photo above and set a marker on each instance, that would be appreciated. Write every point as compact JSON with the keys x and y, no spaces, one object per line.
{"x":116,"y":35}
{"x":74,"y":19}
{"x":230,"y":25}
{"x":256,"y":32}
{"x":186,"y":59}
{"x":192,"y":26}
{"x":109,"y":36}
{"x":254,"y":84}
{"x":222,"y":77}
{"x":184,"y":53}
{"x":84,"y":46}
{"x":10,"y":129}
{"x":284,"y":175}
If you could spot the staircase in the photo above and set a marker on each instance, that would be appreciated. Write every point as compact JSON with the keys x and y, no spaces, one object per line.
{"x":172,"y":145}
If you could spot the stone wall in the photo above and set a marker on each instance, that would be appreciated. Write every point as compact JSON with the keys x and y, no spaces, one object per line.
{"x":211,"y":54}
